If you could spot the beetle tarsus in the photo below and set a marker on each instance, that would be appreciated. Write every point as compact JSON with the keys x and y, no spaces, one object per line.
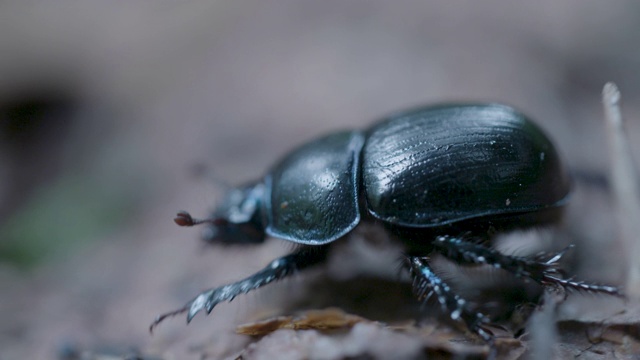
{"x":581,"y":286}
{"x":161,"y":318}
{"x":276,"y":270}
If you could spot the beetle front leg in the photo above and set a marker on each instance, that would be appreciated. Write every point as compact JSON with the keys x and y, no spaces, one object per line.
{"x":276,"y":270}
{"x":542,"y":269}
{"x":426,"y":283}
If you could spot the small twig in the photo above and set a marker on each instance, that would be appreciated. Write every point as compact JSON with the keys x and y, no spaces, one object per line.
{"x":542,"y":325}
{"x":624,"y":180}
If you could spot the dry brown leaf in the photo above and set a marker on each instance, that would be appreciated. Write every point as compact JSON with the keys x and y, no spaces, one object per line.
{"x":326,"y":319}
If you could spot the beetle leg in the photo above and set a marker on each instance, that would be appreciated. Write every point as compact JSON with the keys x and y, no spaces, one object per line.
{"x":276,"y":270}
{"x":544,"y":272}
{"x":427,"y":283}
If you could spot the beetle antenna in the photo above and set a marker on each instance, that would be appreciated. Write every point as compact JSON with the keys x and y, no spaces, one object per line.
{"x":183,"y":218}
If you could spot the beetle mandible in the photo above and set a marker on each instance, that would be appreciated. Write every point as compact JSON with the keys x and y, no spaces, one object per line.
{"x":429,"y":175}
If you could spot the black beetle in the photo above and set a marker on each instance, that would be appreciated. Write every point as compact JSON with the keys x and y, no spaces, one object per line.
{"x":431,"y":176}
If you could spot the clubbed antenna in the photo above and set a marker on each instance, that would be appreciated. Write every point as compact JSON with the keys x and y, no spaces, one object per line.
{"x":183,"y":218}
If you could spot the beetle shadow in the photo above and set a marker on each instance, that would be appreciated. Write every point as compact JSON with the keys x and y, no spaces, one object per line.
{"x":367,"y":296}
{"x":505,"y":300}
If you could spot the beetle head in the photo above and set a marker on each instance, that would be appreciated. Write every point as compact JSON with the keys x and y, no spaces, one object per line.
{"x":237,"y":220}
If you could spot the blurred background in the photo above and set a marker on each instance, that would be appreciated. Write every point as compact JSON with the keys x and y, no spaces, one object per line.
{"x":105,"y":107}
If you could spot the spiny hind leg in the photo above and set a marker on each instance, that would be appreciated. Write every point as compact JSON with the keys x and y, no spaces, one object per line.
{"x":543,"y":269}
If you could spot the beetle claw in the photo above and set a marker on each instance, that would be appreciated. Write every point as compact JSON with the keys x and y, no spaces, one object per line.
{"x":192,"y":308}
{"x":161,"y":318}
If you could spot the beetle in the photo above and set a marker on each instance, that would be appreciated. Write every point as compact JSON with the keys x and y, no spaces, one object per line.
{"x":431,"y":176}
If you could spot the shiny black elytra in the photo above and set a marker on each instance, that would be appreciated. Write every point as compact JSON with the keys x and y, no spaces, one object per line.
{"x":429,"y":175}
